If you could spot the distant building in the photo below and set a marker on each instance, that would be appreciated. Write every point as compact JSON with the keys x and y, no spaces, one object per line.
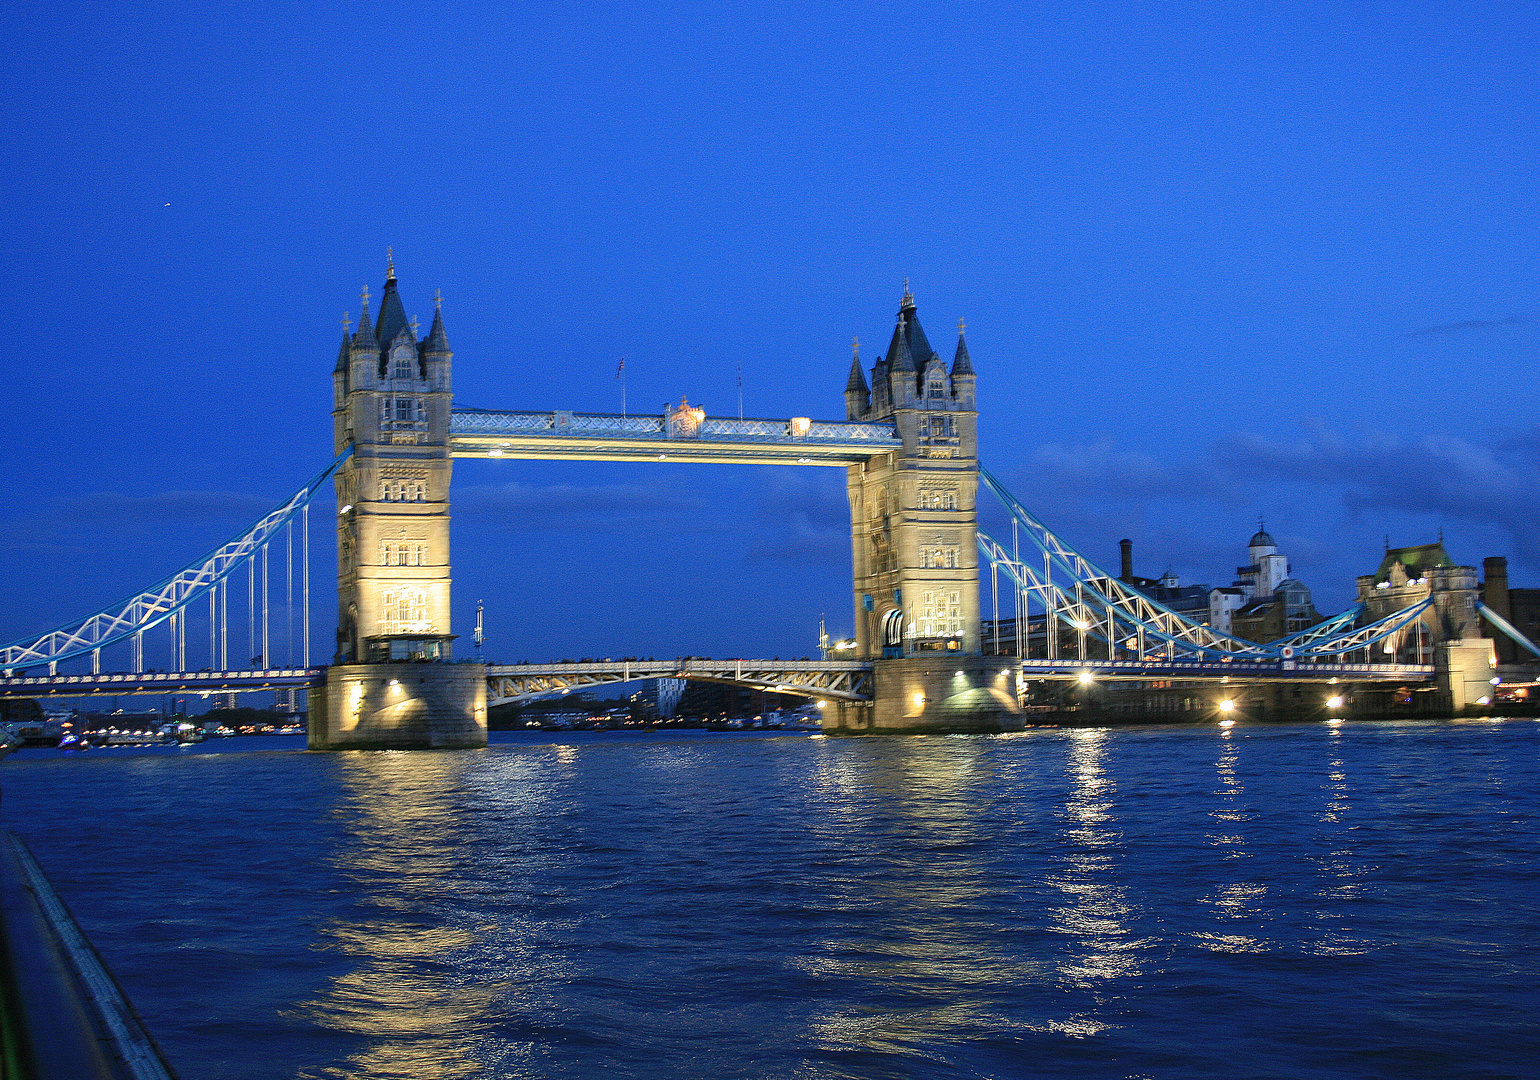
{"x":1264,"y":603}
{"x":1407,"y":576}
{"x":1189,"y":601}
{"x":660,"y":697}
{"x":1520,"y":607}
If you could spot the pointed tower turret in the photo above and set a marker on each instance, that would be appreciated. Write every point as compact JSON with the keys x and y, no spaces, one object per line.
{"x":392,"y":315}
{"x":340,"y":370}
{"x":365,"y":351}
{"x":435,"y":348}
{"x":963,"y":378}
{"x":858,"y":400}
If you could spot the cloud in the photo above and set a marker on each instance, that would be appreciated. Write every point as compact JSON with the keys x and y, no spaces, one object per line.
{"x":1467,"y":324}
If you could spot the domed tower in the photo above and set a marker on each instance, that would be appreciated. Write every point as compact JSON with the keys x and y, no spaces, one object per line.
{"x":1268,"y":569}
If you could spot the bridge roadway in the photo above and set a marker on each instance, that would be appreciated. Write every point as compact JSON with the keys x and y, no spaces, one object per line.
{"x":844,"y":680}
{"x":1235,"y":671}
{"x":159,"y":682}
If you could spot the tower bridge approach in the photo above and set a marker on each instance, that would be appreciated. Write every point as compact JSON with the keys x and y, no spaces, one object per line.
{"x":909,"y":446}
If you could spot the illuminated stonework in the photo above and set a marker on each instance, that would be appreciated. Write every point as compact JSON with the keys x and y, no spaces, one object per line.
{"x":913,"y":513}
{"x":391,"y":401}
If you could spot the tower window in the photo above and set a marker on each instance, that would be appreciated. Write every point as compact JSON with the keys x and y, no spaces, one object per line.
{"x":405,"y":365}
{"x":404,"y":611}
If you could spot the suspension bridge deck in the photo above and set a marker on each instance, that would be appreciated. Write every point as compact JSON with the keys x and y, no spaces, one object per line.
{"x":1260,"y":671}
{"x":159,"y":682}
{"x":844,"y":680}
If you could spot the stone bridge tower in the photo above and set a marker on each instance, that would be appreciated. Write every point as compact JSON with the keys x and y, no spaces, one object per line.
{"x":391,"y":685}
{"x":914,"y":552}
{"x":1448,"y":634}
{"x":391,"y":401}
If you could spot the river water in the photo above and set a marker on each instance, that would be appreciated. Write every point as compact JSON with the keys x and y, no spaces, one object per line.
{"x":1306,"y":901}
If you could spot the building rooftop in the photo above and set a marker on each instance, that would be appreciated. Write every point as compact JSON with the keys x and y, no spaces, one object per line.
{"x":1416,"y":559}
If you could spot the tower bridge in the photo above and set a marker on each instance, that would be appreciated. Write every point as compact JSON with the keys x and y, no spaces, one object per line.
{"x":908,"y":443}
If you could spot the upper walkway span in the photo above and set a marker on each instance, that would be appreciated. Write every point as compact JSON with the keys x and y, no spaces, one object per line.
{"x":686,"y":435}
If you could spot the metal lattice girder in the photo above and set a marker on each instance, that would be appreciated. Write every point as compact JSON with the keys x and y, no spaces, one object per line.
{"x":844,"y":680}
{"x":1127,"y":604}
{"x":613,"y":437}
{"x":1322,"y":630}
{"x":1141,"y":614}
{"x":151,"y":607}
{"x":160,"y":682}
{"x":1336,"y":635}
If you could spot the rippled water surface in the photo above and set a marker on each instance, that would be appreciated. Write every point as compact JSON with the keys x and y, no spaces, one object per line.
{"x":1303,"y":901}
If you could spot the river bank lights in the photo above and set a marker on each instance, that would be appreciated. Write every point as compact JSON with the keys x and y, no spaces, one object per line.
{"x":1086,"y":678}
{"x":1227,"y":705}
{"x":1334,"y":702}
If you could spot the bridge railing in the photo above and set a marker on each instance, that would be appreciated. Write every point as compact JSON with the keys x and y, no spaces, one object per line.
{"x":713,"y":429}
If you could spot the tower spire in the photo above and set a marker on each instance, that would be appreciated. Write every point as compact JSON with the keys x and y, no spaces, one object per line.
{"x":857,"y":381}
{"x":392,"y":315}
{"x":390,"y":264}
{"x":436,"y":342}
{"x":365,"y":335}
{"x":962,"y":363}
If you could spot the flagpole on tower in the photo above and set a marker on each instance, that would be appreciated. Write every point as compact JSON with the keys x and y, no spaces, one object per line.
{"x":620,"y":373}
{"x":740,"y":392}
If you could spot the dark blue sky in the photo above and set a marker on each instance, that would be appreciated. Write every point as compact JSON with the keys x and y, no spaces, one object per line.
{"x":1217,"y":261}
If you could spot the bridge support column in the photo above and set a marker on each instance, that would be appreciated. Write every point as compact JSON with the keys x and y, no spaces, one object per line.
{"x":939,"y":694}
{"x":1465,"y":669}
{"x":400,"y":707}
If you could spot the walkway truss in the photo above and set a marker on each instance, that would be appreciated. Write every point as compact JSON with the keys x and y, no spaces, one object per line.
{"x":1073,"y":594}
{"x":841,"y":680}
{"x":170,"y":597}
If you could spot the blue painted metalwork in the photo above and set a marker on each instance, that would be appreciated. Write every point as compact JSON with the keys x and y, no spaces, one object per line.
{"x":1143,"y":617}
{"x":154,"y":605}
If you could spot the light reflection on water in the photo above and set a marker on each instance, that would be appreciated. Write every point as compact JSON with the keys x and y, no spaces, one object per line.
{"x":1094,"y":909}
{"x":1053,"y":903}
{"x":407,"y":999}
